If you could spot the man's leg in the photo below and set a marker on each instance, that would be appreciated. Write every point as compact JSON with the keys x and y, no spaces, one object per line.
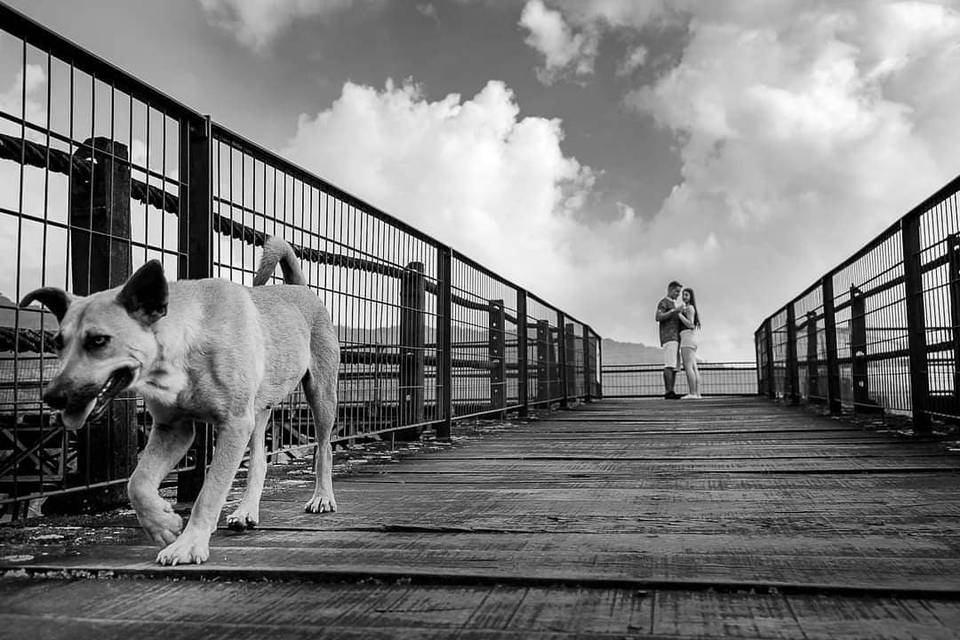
{"x":669,"y":379}
{"x":669,"y":367}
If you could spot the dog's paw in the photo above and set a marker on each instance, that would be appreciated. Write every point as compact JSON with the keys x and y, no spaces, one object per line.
{"x":161,"y":523}
{"x":321,"y":504}
{"x":189,"y":548}
{"x":243,"y":518}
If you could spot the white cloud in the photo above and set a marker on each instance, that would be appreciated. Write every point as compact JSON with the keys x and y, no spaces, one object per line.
{"x":563,"y":49}
{"x":256,"y":23}
{"x":470,"y":172}
{"x":634,"y":59}
{"x":803,"y":129}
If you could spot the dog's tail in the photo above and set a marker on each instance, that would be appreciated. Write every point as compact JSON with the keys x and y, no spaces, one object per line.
{"x":276,"y":250}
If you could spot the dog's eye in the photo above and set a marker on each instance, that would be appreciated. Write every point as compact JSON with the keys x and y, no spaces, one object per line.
{"x":96,"y":342}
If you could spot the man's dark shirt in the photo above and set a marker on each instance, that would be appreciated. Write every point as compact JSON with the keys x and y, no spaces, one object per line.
{"x":669,"y":328}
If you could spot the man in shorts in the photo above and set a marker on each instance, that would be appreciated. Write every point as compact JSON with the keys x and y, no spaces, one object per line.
{"x":668,"y":315}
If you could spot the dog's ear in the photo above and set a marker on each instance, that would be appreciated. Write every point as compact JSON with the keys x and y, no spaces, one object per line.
{"x":144,"y":296}
{"x":57,"y":300}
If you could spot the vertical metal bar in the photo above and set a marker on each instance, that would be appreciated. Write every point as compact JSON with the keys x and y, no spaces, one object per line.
{"x":599,"y":366}
{"x":544,"y":361}
{"x":858,"y":349}
{"x":523,"y":356}
{"x":444,"y":339}
{"x":587,"y":353}
{"x":813,"y":356}
{"x":496,"y":353}
{"x":570,"y":360}
{"x":916,"y":322}
{"x":793,"y":366}
{"x":562,"y":359}
{"x":830,"y":336}
{"x":768,"y":357}
{"x":757,"y":345}
{"x":953,"y":278}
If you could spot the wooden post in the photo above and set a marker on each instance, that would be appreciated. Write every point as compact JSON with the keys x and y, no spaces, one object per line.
{"x":195,"y":231}
{"x":523,"y":355}
{"x":793,"y":367}
{"x":496,"y":355}
{"x":953,"y":254}
{"x":916,"y":322}
{"x":444,"y":338}
{"x":830,"y":336}
{"x":100,"y":259}
{"x":412,"y":341}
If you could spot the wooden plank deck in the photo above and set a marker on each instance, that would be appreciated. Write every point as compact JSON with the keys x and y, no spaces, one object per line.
{"x":648,"y":518}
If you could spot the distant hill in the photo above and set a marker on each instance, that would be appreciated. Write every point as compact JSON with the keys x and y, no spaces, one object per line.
{"x":630,"y":353}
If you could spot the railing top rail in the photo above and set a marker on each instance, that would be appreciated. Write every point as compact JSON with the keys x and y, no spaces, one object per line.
{"x":925,"y":205}
{"x":258,"y":150}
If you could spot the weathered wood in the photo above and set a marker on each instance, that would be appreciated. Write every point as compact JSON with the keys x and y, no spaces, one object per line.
{"x":699,"y":519}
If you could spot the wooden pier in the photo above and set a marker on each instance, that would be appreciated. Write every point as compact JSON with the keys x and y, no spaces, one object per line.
{"x":618,"y":519}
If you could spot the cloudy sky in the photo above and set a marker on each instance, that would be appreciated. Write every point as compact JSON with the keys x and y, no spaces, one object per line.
{"x":590,"y":151}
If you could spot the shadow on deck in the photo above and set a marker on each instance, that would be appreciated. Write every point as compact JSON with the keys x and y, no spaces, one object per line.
{"x":642,"y":518}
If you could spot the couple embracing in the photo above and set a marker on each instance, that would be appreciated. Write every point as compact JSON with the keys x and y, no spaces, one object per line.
{"x":679,"y":319}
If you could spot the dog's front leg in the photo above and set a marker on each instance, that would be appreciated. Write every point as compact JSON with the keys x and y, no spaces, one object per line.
{"x":193,"y":545}
{"x":166,"y":445}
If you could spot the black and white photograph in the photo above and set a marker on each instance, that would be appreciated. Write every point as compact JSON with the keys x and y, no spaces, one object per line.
{"x":487,"y":319}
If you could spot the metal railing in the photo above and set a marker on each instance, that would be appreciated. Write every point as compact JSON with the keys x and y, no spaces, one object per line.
{"x":881,"y":331}
{"x":646,"y":380}
{"x":102,"y":172}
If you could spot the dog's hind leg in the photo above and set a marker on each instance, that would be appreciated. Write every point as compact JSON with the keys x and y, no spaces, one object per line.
{"x":166,"y":445}
{"x":247,"y":514}
{"x":322,"y":397}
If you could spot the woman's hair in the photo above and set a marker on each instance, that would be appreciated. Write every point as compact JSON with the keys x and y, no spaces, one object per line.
{"x":696,"y":309}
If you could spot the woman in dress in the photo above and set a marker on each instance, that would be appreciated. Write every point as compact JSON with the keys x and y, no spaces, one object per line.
{"x":689,"y":325}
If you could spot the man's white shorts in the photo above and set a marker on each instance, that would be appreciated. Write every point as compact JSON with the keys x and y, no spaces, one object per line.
{"x":670,"y":354}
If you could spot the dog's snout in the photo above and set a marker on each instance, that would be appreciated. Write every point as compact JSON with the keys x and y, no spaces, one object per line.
{"x":55,"y":398}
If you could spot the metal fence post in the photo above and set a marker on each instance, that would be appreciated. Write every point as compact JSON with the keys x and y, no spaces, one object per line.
{"x":830,"y":337}
{"x":813,"y":356}
{"x":496,"y":353}
{"x":587,"y":360}
{"x":562,"y":359}
{"x":413,"y":294}
{"x":523,"y":355}
{"x":916,"y":322}
{"x":544,"y":361}
{"x":858,"y":351}
{"x":953,"y":255}
{"x":599,"y":365}
{"x":444,"y":343}
{"x":196,"y":261}
{"x":768,"y":355}
{"x":757,"y":347}
{"x":101,"y":259}
{"x":793,"y":366}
